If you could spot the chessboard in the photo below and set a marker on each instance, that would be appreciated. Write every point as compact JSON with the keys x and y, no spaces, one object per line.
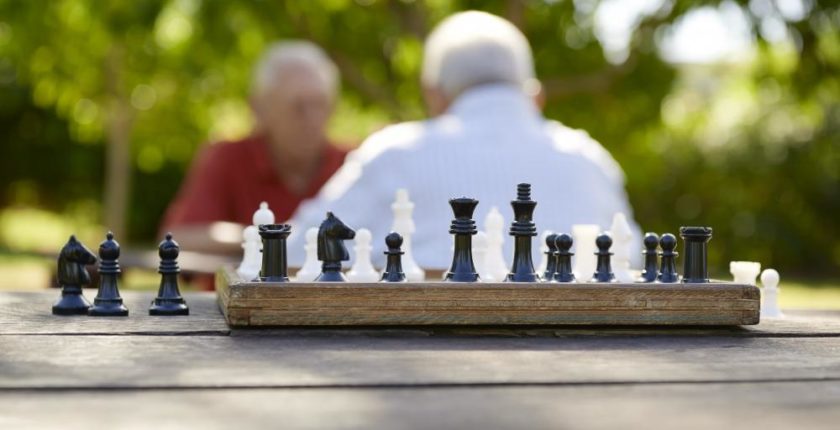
{"x":276,"y":304}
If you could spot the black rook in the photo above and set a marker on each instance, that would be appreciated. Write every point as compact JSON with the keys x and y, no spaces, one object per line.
{"x":274,"y":259}
{"x":694,"y":258}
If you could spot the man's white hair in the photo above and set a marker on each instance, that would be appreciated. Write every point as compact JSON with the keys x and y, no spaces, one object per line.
{"x":474,"y":48}
{"x":281,"y":55}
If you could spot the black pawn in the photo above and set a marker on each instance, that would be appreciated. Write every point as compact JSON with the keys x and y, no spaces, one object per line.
{"x":564,"y":258}
{"x":603,"y":272}
{"x":72,"y":276}
{"x":108,"y":301}
{"x":551,"y":257}
{"x":668,"y":265}
{"x":463,"y":227}
{"x":694,"y":259}
{"x":169,"y":300}
{"x":651,"y":270}
{"x":274,"y":258}
{"x":523,"y":229}
{"x":393,"y":268}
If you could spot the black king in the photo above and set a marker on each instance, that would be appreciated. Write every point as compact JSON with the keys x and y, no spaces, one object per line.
{"x":523,"y":229}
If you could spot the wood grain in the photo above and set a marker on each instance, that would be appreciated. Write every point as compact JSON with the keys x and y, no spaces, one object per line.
{"x":438,"y":303}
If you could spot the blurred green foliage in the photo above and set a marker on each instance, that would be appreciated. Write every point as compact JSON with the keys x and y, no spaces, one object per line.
{"x":749,"y":147}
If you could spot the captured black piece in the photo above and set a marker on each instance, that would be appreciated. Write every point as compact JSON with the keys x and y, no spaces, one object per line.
{"x":72,"y":276}
{"x":108,"y":301}
{"x":169,"y":300}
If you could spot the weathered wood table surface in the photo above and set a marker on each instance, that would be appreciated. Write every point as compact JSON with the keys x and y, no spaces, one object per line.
{"x":175,"y":372}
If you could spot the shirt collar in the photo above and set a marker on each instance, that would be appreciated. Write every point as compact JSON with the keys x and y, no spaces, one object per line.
{"x":494,"y":100}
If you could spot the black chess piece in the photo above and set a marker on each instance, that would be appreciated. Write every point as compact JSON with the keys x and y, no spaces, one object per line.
{"x":694,"y":259}
{"x":551,"y":257}
{"x":274,"y":255}
{"x":564,"y":258}
{"x":108,"y":301}
{"x":393,"y":267}
{"x":72,"y":276}
{"x":668,"y":263}
{"x":651,"y":270}
{"x":603,"y":271}
{"x":331,"y":249}
{"x":463,"y":227}
{"x":523,"y":229}
{"x":169,"y":300}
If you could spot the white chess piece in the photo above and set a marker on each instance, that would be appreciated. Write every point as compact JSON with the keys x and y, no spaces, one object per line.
{"x":770,"y":294}
{"x":252,"y":256}
{"x":362,"y":270}
{"x":404,"y":225}
{"x":479,"y":253}
{"x":495,"y":266}
{"x":311,"y":266}
{"x":744,"y":272}
{"x":251,"y":263}
{"x":584,"y":260}
{"x":622,"y":238}
{"x":543,"y":264}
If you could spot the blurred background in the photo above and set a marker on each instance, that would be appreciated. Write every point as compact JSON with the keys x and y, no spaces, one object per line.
{"x":722,"y":113}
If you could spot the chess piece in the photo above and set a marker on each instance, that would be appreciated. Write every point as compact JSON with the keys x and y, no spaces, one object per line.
{"x":495,"y":264}
{"x":770,"y":294}
{"x":311,"y":266}
{"x":263,"y":215}
{"x":275,"y":266}
{"x":249,"y":269}
{"x":668,"y":264}
{"x":564,"y":243}
{"x":584,"y":236}
{"x":362,"y":270}
{"x":72,"y":276}
{"x":523,"y":229}
{"x":404,"y":225}
{"x":169,"y":300}
{"x":108,"y":301}
{"x":694,"y":256}
{"x":393,"y":267}
{"x":544,"y":247}
{"x":463,"y":227}
{"x":479,"y":251}
{"x":603,"y":270}
{"x":651,"y":242}
{"x":622,"y":237}
{"x":550,"y":257}
{"x":744,"y":272}
{"x":331,"y":248}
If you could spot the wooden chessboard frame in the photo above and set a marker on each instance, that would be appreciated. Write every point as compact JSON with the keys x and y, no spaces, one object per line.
{"x":267,"y":304}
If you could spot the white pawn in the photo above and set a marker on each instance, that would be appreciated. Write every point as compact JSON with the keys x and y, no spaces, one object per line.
{"x":495,"y":266}
{"x":362,"y":270}
{"x":584,"y":261}
{"x":404,"y":225}
{"x":622,"y":238}
{"x":251,"y":264}
{"x":770,"y":294}
{"x":744,"y":272}
{"x":311,"y":266}
{"x":479,"y":252}
{"x":263,"y":215}
{"x":543,"y":257}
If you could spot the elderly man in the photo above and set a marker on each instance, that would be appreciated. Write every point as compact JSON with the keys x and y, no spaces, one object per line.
{"x":486,"y":136}
{"x":287,"y":158}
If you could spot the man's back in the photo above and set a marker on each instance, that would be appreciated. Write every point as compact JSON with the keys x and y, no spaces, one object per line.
{"x":491,"y":139}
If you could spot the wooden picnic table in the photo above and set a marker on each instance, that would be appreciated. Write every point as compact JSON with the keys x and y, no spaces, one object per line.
{"x":193,"y":371}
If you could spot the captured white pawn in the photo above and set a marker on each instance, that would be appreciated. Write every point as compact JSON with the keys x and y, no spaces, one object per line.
{"x":363,"y":270}
{"x":311,"y":266}
{"x":744,"y":272}
{"x":495,"y":265}
{"x":404,"y":225}
{"x":622,"y":237}
{"x":251,"y":264}
{"x":770,"y":294}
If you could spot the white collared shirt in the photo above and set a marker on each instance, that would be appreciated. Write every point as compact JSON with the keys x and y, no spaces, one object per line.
{"x":491,"y":139}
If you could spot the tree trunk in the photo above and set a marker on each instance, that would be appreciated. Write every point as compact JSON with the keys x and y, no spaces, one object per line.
{"x":118,"y":148}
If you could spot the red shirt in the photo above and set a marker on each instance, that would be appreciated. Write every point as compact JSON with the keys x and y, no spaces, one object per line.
{"x":227,"y":182}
